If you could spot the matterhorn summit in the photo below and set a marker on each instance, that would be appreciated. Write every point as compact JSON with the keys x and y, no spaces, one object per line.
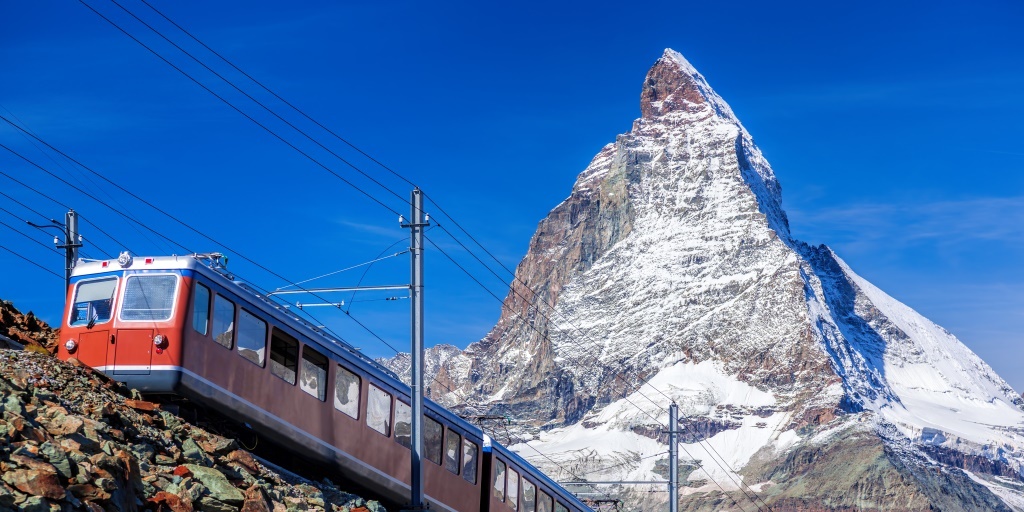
{"x":669,"y":275}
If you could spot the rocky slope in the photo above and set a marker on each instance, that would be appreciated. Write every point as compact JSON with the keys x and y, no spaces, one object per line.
{"x":19,"y":330}
{"x":669,"y":275}
{"x":70,"y":439}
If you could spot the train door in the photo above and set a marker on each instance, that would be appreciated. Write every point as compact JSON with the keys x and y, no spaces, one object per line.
{"x":133,"y":351}
{"x":89,"y":314}
{"x":94,"y":347}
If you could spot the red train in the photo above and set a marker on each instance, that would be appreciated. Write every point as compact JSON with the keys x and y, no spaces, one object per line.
{"x":182,"y":325}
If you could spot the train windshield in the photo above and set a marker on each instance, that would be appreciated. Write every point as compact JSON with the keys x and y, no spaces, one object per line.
{"x":93,"y":301}
{"x":149,"y":297}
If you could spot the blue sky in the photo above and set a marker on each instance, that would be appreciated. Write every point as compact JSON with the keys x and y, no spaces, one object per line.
{"x":895,"y":130}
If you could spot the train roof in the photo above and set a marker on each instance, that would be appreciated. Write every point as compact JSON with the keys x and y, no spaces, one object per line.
{"x":213,"y":267}
{"x":565,"y":495}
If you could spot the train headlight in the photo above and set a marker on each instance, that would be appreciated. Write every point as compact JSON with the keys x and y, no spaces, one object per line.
{"x":70,"y":345}
{"x":160,"y":341}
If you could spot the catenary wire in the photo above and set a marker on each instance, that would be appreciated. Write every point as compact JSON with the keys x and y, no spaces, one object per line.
{"x":240,"y":111}
{"x":290,"y":126}
{"x":367,"y":269}
{"x":47,"y":197}
{"x":371,"y":262}
{"x":275,"y":95}
{"x":382,"y":165}
{"x":254,"y":100}
{"x":637,"y":389}
{"x":37,"y":242}
{"x":626,"y":398}
{"x":87,"y":194}
{"x":164,"y":213}
{"x":61,"y":166}
{"x":32,"y":262}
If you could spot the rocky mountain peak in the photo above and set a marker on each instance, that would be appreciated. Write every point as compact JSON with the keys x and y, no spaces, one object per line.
{"x":674,"y":85}
{"x":669,"y":274}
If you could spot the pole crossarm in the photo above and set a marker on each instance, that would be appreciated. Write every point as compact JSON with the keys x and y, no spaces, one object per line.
{"x":343,"y":289}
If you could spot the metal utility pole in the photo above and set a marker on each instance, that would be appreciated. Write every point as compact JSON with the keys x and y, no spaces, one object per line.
{"x":418,"y":221}
{"x":70,"y":246}
{"x":72,"y":241}
{"x":673,"y":457}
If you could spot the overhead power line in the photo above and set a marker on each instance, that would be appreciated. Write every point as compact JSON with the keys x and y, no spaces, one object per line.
{"x":528,"y":303}
{"x":279,"y":98}
{"x":47,"y":197}
{"x":528,"y":324}
{"x":244,"y":114}
{"x":58,"y":276}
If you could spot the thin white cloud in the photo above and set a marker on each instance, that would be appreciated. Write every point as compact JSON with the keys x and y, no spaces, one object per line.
{"x":998,"y":219}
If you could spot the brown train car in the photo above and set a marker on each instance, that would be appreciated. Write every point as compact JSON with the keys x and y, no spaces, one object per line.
{"x":183,"y":325}
{"x":517,"y":486}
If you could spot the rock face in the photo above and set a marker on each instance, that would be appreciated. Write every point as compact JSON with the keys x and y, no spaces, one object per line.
{"x":19,"y":330}
{"x":669,"y":274}
{"x":71,"y":439}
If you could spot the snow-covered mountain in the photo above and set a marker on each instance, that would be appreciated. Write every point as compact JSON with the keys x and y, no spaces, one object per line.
{"x":669,"y":274}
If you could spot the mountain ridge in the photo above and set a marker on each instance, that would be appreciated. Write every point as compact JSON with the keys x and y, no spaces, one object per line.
{"x":669,"y":274}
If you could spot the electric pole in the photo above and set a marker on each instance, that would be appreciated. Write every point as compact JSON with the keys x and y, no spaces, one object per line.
{"x":673,"y":457}
{"x":71,"y":245}
{"x":72,"y":241}
{"x":418,"y":221}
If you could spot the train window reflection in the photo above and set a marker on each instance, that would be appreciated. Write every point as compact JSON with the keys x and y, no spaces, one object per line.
{"x":403,"y":424}
{"x":499,"y":480}
{"x":513,"y":489}
{"x":313,"y":373}
{"x":224,"y":321}
{"x":149,"y":298}
{"x":378,"y":410}
{"x":432,"y":434}
{"x":284,"y":355}
{"x":201,"y":309}
{"x":560,"y":508}
{"x":469,"y":461}
{"x":451,"y":452}
{"x":529,"y":496}
{"x":544,"y":502}
{"x":346,"y":392}
{"x":252,"y":337}
{"x":93,"y":301}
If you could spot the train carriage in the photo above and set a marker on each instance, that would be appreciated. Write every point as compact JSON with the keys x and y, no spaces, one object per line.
{"x":515,"y":485}
{"x":182,"y":325}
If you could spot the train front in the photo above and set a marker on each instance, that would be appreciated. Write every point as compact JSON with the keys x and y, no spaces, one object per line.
{"x":125,"y":318}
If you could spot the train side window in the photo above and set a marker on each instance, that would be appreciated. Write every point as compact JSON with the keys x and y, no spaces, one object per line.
{"x":313,"y":373}
{"x":403,"y":424}
{"x":149,"y":298}
{"x":378,"y":410}
{"x":452,"y":452}
{"x":93,"y":301}
{"x":544,"y":502}
{"x":284,"y":356}
{"x":499,"y":480}
{"x":529,"y":496}
{"x":560,"y":508}
{"x":224,"y":321}
{"x":252,"y":337}
{"x":346,"y":392}
{"x":201,"y":309}
{"x":513,"y":489}
{"x":432,"y":434}
{"x":469,"y":451}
